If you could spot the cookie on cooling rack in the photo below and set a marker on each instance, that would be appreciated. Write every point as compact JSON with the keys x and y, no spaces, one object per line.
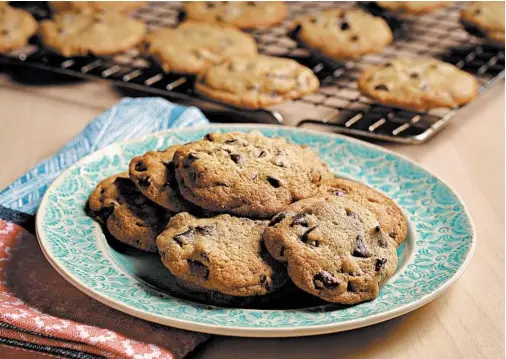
{"x":78,"y":34}
{"x":242,"y":14}
{"x":130,"y":217}
{"x":419,"y":84}
{"x":16,"y":27}
{"x":487,"y":17}
{"x":343,"y":33}
{"x":247,"y":174}
{"x":192,"y":47}
{"x":256,"y":82}
{"x":335,"y":249}
{"x":413,"y":7}
{"x":95,"y":6}
{"x":221,"y":253}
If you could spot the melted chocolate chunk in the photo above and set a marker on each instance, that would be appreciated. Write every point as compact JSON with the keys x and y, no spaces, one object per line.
{"x":277,"y":218}
{"x":381,"y":87}
{"x":380,"y":262}
{"x":205,"y":230}
{"x":185,"y":237}
{"x":305,"y":237}
{"x":345,"y":26}
{"x":299,"y":220}
{"x":145,"y":181}
{"x":325,"y":280}
{"x":360,"y":249}
{"x":199,"y":269}
{"x":414,"y":75}
{"x":237,"y":158}
{"x":274,"y":182}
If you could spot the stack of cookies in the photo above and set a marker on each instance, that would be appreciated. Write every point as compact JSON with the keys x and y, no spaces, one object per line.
{"x":241,"y":215}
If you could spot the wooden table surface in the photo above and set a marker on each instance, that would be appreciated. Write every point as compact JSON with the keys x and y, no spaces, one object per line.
{"x":465,"y":322}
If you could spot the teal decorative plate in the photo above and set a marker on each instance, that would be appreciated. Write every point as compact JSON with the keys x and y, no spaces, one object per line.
{"x":439,"y":246}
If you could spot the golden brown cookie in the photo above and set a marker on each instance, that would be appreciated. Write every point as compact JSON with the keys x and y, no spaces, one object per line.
{"x":242,"y":14}
{"x":95,"y":6}
{"x":193,"y":47}
{"x":256,"y":82}
{"x":247,"y":174}
{"x":334,"y":248}
{"x":130,"y":217}
{"x":414,"y":7}
{"x":420,"y":84}
{"x":389,"y":215}
{"x":76,"y":34}
{"x":221,"y":253}
{"x":343,"y":33}
{"x":16,"y":27}
{"x":487,"y":17}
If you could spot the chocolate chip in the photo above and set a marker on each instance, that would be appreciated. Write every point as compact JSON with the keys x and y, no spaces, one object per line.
{"x":338,"y":193}
{"x":274,"y":182}
{"x":277,"y":218}
{"x":193,"y":176}
{"x":205,"y":230}
{"x":280,"y":163}
{"x":299,"y":220}
{"x":388,"y":64}
{"x":433,"y":66}
{"x":352,"y":214}
{"x":199,"y":269}
{"x":354,"y":38}
{"x":251,"y":3}
{"x":262,"y":154}
{"x":264,"y":281}
{"x":141,"y":166}
{"x":325,"y":280}
{"x":312,"y":20}
{"x":181,"y":16}
{"x":282,"y":252}
{"x":381,"y":87}
{"x":305,"y":237}
{"x":382,"y":243}
{"x":477,"y":11}
{"x":349,"y":287}
{"x":192,"y":156}
{"x":392,"y":235}
{"x":342,"y":15}
{"x":185,"y":237}
{"x":141,"y":224}
{"x":210,"y":5}
{"x":104,"y":213}
{"x":204,"y":256}
{"x":209,"y":137}
{"x":233,"y":140}
{"x":4,"y":32}
{"x":145,"y":181}
{"x":360,"y":250}
{"x":380,"y":262}
{"x":345,"y":25}
{"x":237,"y":158}
{"x":414,"y":75}
{"x":377,"y":228}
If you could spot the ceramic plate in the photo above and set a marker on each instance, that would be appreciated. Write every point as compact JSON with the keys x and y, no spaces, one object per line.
{"x":439,"y":246}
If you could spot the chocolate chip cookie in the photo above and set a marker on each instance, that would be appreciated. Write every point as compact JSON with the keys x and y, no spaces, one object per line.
{"x":247,"y":174}
{"x":16,"y":27}
{"x":192,"y":47}
{"x":487,"y":17}
{"x":335,"y":249}
{"x":130,"y":217}
{"x":413,"y":7}
{"x":242,"y":14}
{"x":221,"y":253}
{"x":95,"y":6}
{"x":389,"y":215}
{"x":420,"y":84}
{"x":256,"y":82}
{"x":77,"y":34}
{"x":341,"y":34}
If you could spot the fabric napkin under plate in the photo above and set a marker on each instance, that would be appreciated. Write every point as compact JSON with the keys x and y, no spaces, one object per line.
{"x":39,"y":310}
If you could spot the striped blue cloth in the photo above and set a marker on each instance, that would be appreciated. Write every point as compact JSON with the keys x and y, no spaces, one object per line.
{"x":130,"y":118}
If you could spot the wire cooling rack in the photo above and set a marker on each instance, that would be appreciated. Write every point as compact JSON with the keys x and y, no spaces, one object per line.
{"x":337,"y":104}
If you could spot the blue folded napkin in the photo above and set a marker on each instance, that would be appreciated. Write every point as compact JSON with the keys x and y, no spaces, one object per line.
{"x":130,"y":118}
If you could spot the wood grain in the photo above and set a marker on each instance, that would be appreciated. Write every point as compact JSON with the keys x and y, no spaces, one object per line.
{"x":465,"y":322}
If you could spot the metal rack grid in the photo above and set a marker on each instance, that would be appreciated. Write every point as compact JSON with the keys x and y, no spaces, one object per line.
{"x":337,"y":104}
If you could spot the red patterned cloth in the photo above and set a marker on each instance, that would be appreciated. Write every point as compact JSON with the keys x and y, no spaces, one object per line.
{"x":39,"y":307}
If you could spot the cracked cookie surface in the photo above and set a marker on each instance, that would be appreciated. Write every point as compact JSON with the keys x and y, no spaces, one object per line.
{"x":130,"y":217}
{"x":335,"y":249}
{"x":193,"y":47}
{"x":247,"y":174}
{"x":243,"y":14}
{"x":221,"y":253}
{"x":80,"y":34}
{"x":341,"y":34}
{"x":420,"y":84}
{"x":256,"y":82}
